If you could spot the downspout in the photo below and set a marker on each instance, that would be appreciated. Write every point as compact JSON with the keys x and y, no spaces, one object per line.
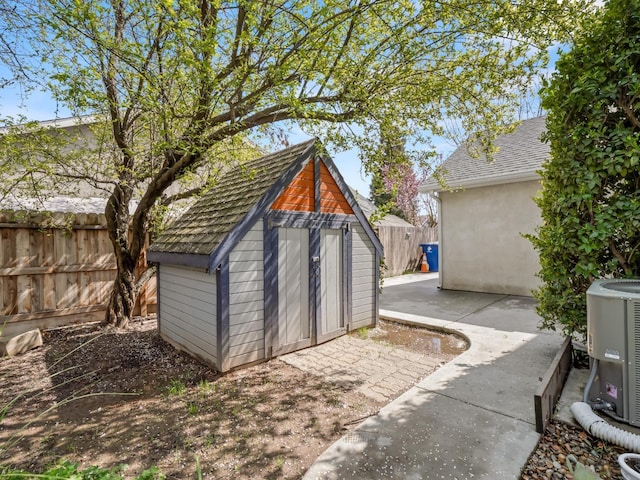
{"x":436,"y":197}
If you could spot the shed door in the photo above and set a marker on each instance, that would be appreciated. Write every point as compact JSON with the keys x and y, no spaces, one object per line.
{"x":294,"y":325}
{"x":331,"y":320}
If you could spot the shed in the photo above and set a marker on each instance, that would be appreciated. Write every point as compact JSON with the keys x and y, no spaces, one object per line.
{"x":485,"y":208}
{"x":277,"y":257}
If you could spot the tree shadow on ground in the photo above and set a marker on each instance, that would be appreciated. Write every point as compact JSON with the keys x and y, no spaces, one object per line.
{"x":116,"y":397}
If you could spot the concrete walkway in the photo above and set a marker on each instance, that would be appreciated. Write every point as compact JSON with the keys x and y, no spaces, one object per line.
{"x":471,"y":419}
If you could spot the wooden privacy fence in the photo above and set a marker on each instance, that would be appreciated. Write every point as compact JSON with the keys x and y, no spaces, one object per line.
{"x":57,"y":270}
{"x":402,"y":246}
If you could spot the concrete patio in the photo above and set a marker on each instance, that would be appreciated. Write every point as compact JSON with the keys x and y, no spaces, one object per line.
{"x":473,"y":417}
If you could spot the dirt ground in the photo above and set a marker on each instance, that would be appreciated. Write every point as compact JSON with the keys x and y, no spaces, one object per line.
{"x":102,"y":397}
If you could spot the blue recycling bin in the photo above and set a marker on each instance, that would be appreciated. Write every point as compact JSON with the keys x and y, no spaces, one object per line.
{"x":431,"y":250}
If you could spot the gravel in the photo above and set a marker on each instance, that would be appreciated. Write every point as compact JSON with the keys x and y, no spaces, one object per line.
{"x":560,"y":440}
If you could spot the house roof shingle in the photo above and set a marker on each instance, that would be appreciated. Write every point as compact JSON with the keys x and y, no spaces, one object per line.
{"x":520,"y":154}
{"x":369,"y":208}
{"x":205,"y":225}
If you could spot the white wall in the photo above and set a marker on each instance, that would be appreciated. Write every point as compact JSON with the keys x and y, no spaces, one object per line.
{"x":187,"y":312}
{"x":481,"y":246}
{"x":246,"y":299}
{"x":363,"y":279}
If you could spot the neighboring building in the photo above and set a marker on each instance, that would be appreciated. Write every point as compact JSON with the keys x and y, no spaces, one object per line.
{"x":485,"y":208}
{"x":57,"y":263}
{"x":56,"y":260}
{"x":401,"y":240}
{"x":277,"y":257}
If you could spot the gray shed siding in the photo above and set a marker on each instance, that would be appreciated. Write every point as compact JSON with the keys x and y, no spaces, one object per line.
{"x":363,"y":279}
{"x":246,"y":299}
{"x":188,"y":310}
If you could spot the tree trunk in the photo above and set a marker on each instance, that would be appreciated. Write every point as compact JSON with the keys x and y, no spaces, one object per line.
{"x":127,"y":238}
{"x":122,"y":299}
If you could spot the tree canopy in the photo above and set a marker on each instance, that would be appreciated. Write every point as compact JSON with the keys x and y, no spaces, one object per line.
{"x":590,"y":200}
{"x":173,"y":80}
{"x":394,"y":182}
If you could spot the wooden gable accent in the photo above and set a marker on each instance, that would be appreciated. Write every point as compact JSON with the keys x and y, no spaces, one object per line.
{"x":331,"y":197}
{"x":300,"y":194}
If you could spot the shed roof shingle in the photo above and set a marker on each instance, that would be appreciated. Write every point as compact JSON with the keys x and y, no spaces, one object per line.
{"x":203,"y":227}
{"x":521,"y":153}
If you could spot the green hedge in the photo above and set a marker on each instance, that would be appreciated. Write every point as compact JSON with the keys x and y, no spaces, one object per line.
{"x":590,"y":199}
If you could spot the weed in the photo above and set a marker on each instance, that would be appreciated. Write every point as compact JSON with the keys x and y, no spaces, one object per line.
{"x":362,"y":333}
{"x":333,"y":401}
{"x":198,"y":470}
{"x":205,"y":386}
{"x":68,"y":470}
{"x":279,"y":461}
{"x":187,"y":444}
{"x":217,"y":404}
{"x":237,"y":410}
{"x":193,"y":408}
{"x":176,"y":388}
{"x":46,"y":439}
{"x":209,"y":440}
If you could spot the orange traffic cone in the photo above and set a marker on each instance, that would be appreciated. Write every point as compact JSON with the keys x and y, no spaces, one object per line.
{"x":424,"y":266}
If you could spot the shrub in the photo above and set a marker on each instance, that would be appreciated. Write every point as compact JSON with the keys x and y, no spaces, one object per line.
{"x":590,"y":199}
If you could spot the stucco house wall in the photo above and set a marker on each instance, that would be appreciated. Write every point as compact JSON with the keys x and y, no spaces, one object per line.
{"x":481,"y":243}
{"x":484,"y":208}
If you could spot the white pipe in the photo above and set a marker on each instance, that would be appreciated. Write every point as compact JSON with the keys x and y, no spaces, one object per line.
{"x":629,"y":473}
{"x":600,"y":428}
{"x":436,"y":197}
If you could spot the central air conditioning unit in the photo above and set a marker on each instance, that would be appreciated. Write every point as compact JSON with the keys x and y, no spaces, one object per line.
{"x":613,"y":339}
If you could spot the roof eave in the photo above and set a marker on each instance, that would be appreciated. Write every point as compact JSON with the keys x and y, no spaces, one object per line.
{"x":192,"y":260}
{"x":489,"y":181}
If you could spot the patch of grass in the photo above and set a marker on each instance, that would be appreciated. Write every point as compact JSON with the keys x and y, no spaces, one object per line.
{"x":209,"y":440}
{"x":362,"y":333}
{"x":205,"y":386}
{"x":176,"y":388}
{"x":193,"y":408}
{"x":46,"y":439}
{"x":72,"y":448}
{"x":237,"y":410}
{"x":69,"y":470}
{"x":333,"y":401}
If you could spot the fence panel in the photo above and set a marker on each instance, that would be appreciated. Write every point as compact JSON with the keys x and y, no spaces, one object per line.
{"x":57,"y":271}
{"x":402,"y":246}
